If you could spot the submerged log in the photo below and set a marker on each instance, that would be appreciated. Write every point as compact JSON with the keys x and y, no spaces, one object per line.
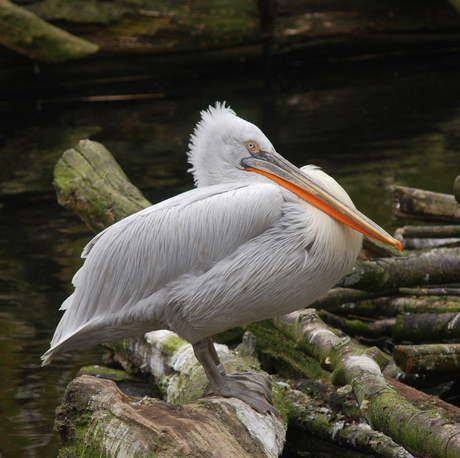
{"x":26,"y":33}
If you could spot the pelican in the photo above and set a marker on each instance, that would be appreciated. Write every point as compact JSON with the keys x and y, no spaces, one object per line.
{"x":257,"y":238}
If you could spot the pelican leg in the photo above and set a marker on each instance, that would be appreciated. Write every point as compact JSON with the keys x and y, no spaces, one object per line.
{"x":214,"y":355}
{"x":253,"y":389}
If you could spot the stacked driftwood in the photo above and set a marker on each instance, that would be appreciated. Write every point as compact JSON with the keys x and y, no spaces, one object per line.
{"x":413,"y":298}
{"x":338,"y":383}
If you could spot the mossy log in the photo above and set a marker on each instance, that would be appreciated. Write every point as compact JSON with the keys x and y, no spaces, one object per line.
{"x":427,"y":433}
{"x":336,"y":297}
{"x":146,"y":26}
{"x":357,"y":327}
{"x":181,"y":380}
{"x":357,"y":435}
{"x":97,"y":419}
{"x":420,"y":359}
{"x":90,"y":183}
{"x":430,"y":291}
{"x":394,"y":306}
{"x":439,"y":266}
{"x":413,"y":203}
{"x":427,"y":327}
{"x":26,"y":33}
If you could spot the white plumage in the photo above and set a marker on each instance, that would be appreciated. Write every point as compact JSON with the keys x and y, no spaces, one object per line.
{"x":237,"y":249}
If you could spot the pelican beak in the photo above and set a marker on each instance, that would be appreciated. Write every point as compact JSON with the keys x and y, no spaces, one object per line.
{"x":278,"y":169}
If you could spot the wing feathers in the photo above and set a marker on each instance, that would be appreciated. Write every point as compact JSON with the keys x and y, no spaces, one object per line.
{"x":138,"y":256}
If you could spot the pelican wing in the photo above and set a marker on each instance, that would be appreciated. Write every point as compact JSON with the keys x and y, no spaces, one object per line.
{"x":141,"y":254}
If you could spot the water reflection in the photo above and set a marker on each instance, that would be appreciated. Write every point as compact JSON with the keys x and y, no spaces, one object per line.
{"x":366,"y":128}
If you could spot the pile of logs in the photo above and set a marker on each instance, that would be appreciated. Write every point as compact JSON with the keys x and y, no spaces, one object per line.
{"x":345,"y":373}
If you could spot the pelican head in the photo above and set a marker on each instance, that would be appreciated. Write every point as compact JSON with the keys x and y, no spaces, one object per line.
{"x":225,"y":147}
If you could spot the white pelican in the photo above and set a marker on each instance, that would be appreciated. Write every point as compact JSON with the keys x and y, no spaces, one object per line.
{"x":257,"y":238}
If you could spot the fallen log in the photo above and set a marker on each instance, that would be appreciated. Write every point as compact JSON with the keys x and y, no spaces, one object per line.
{"x":394,"y":306}
{"x":439,"y":266}
{"x":26,"y":33}
{"x":427,"y":244}
{"x":421,"y":359}
{"x":432,"y":291}
{"x":97,"y":418}
{"x":430,"y":232}
{"x":309,"y":413}
{"x":412,"y":203}
{"x":424,"y":432}
{"x":427,"y":327}
{"x":354,"y":435}
{"x":337,"y":297}
{"x":90,"y":183}
{"x":422,"y":400}
{"x":370,"y":329}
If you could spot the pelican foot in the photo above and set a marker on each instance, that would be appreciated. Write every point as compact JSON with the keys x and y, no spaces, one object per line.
{"x":251,"y":388}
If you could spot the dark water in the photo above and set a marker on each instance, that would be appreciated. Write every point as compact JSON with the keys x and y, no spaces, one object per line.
{"x":369,"y":124}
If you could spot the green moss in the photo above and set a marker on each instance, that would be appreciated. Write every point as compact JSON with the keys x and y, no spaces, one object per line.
{"x":170,"y":345}
{"x":116,"y":375}
{"x":281,"y":354}
{"x":76,"y":444}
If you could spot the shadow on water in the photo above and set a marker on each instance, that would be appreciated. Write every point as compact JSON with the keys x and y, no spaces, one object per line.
{"x":369,"y":124}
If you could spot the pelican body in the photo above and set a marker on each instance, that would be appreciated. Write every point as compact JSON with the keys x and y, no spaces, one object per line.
{"x":257,"y":238}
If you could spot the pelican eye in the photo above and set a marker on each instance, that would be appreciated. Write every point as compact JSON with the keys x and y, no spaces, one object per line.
{"x":252,"y":147}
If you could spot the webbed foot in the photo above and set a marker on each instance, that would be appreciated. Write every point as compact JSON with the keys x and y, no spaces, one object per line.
{"x":249,"y":387}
